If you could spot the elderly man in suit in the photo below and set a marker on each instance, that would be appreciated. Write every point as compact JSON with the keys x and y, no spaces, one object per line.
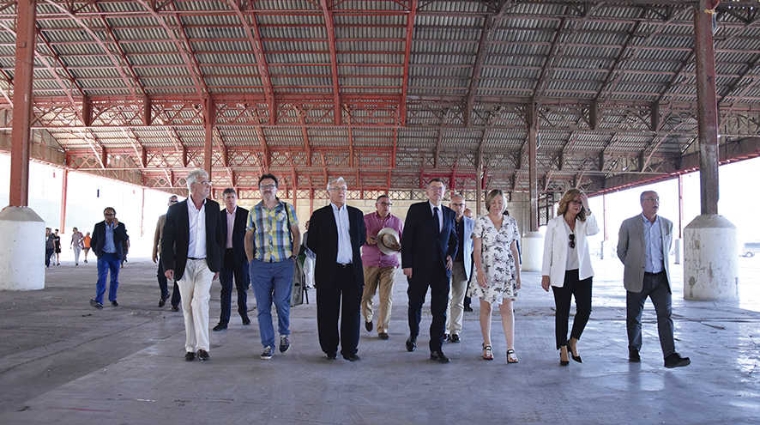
{"x":643,"y":245}
{"x":233,"y":221}
{"x":191,"y":252}
{"x":336,"y":234}
{"x":107,"y":242}
{"x":429,"y":247}
{"x":163,"y":284}
{"x":461,"y":270}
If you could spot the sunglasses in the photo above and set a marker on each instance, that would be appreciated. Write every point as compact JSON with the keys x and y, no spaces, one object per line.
{"x":572,"y":241}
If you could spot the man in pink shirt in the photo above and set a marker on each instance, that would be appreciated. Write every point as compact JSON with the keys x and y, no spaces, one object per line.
{"x":379,"y":268}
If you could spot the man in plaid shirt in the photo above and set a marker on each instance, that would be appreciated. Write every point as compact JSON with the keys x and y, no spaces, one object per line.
{"x":272,"y":241}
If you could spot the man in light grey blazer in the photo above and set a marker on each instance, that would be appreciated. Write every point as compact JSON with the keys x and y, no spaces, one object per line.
{"x":643,"y":245}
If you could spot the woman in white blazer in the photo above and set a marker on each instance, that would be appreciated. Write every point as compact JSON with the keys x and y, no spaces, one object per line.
{"x":567,"y":268}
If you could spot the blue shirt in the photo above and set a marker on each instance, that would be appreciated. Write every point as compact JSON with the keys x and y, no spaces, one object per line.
{"x":109,"y":246}
{"x":653,"y":243}
{"x":345,"y":255}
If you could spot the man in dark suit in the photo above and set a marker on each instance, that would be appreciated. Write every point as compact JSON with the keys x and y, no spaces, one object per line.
{"x":107,"y":242}
{"x":163,"y":284}
{"x":233,"y":220}
{"x":336,"y":233}
{"x":191,"y":252}
{"x":428,"y":248}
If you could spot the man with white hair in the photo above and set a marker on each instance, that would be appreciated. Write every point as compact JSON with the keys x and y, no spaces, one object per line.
{"x":191,"y":253}
{"x":336,"y":234}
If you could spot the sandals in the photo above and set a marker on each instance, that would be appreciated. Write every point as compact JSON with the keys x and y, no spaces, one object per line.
{"x":512,"y":357}
{"x":487,"y":352}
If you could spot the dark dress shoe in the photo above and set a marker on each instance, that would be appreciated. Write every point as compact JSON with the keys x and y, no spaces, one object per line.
{"x":189,"y":356}
{"x":331,"y":356}
{"x":368,"y":326}
{"x":96,"y":304}
{"x":352,"y":358}
{"x":175,"y":308}
{"x":246,"y":321}
{"x":114,"y":303}
{"x":633,"y":355}
{"x":675,"y":360}
{"x":203,"y":355}
{"x":454,"y":338}
{"x":383,"y":335}
{"x":468,"y":309}
{"x":162,"y":302}
{"x":439,"y":357}
{"x":411,"y":344}
{"x":220,"y":327}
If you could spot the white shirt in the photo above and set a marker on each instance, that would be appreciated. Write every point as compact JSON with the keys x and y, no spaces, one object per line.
{"x":230,"y":225}
{"x":345,"y":255}
{"x":197,"y":219}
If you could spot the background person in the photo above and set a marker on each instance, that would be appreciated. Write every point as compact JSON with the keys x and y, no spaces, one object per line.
{"x":163,"y":284}
{"x":498,"y":271}
{"x":461,"y":270}
{"x":86,"y":245}
{"x":567,"y":268}
{"x":233,"y":220}
{"x":76,"y":244}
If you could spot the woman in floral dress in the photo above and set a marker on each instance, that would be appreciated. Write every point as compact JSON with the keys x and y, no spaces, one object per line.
{"x":498,"y":273}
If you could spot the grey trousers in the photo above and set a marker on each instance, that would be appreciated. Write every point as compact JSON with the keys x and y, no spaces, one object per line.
{"x":657,"y":289}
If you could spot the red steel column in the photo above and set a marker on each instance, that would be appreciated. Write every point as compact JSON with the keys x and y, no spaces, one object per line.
{"x":707,"y":106}
{"x":533,"y":165}
{"x":209,"y":146}
{"x":22,"y":103}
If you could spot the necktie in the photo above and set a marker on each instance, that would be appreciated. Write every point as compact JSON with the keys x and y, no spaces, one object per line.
{"x":436,"y":220}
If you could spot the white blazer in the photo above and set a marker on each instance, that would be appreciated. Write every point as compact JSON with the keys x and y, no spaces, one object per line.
{"x":556,"y":243}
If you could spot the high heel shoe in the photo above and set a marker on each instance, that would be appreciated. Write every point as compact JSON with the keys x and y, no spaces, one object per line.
{"x":572,"y":346}
{"x":563,"y":361}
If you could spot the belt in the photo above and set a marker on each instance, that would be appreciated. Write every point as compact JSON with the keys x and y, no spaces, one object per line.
{"x":653,"y":274}
{"x":344,"y":266}
{"x":193,"y":258}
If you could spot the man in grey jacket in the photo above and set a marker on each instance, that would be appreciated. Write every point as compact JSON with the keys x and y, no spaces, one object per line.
{"x":643,"y":245}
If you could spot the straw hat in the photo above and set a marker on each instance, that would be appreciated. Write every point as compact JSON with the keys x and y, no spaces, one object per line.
{"x":388,"y":241}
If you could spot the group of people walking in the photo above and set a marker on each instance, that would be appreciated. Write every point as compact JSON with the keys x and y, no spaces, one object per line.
{"x":356,"y":255}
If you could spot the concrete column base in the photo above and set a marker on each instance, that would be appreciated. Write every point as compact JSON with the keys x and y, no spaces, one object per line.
{"x":711,"y":259}
{"x":22,"y":265}
{"x":532,"y":251}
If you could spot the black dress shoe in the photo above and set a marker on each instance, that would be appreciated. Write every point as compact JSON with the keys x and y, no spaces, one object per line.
{"x":352,"y":358}
{"x":675,"y":360}
{"x":114,"y":303}
{"x":246,"y":321}
{"x":368,"y":326}
{"x":162,"y":302}
{"x":220,"y":327}
{"x":96,"y":304}
{"x":189,"y":356}
{"x":468,"y":309}
{"x":439,"y":357}
{"x":203,"y":355}
{"x":175,"y":308}
{"x":633,"y":355}
{"x":411,"y":344}
{"x":454,"y":338}
{"x":383,"y":335}
{"x":331,"y":356}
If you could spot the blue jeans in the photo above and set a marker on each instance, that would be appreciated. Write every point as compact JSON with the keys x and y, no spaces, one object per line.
{"x":107,"y":262}
{"x":272,"y":282}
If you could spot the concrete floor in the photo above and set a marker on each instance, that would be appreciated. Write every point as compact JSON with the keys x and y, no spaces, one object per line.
{"x":62,"y":362}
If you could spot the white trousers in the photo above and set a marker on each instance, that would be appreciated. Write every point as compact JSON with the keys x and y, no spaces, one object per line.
{"x":455,"y":313}
{"x":195,"y":289}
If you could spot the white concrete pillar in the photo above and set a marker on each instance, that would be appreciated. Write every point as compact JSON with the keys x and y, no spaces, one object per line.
{"x":711,"y":259}
{"x":677,"y":250}
{"x":532,"y":251}
{"x":22,"y":265}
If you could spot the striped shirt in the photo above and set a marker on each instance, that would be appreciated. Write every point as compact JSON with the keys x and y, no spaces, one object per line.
{"x":271,"y":234}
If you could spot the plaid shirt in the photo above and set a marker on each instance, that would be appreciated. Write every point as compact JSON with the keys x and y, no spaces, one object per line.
{"x":271,"y":234}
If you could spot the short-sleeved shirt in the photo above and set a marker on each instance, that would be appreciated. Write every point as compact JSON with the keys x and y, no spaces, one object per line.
{"x":271,"y":234}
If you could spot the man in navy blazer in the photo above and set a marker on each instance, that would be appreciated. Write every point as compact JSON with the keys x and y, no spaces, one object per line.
{"x":191,"y":253}
{"x":107,"y":243}
{"x":233,"y":221}
{"x":428,"y":248}
{"x":336,"y":234}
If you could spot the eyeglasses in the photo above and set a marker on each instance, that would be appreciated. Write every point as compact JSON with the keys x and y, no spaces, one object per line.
{"x":387,"y":203}
{"x":572,"y":241}
{"x":652,"y":199}
{"x":458,"y":204}
{"x":267,"y":186}
{"x":576,"y":202}
{"x":205,"y":183}
{"x":109,"y":214}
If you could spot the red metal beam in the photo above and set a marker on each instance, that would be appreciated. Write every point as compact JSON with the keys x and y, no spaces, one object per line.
{"x":410,"y":17}
{"x":330,"y":29}
{"x":253,"y":33}
{"x":22,"y":96}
